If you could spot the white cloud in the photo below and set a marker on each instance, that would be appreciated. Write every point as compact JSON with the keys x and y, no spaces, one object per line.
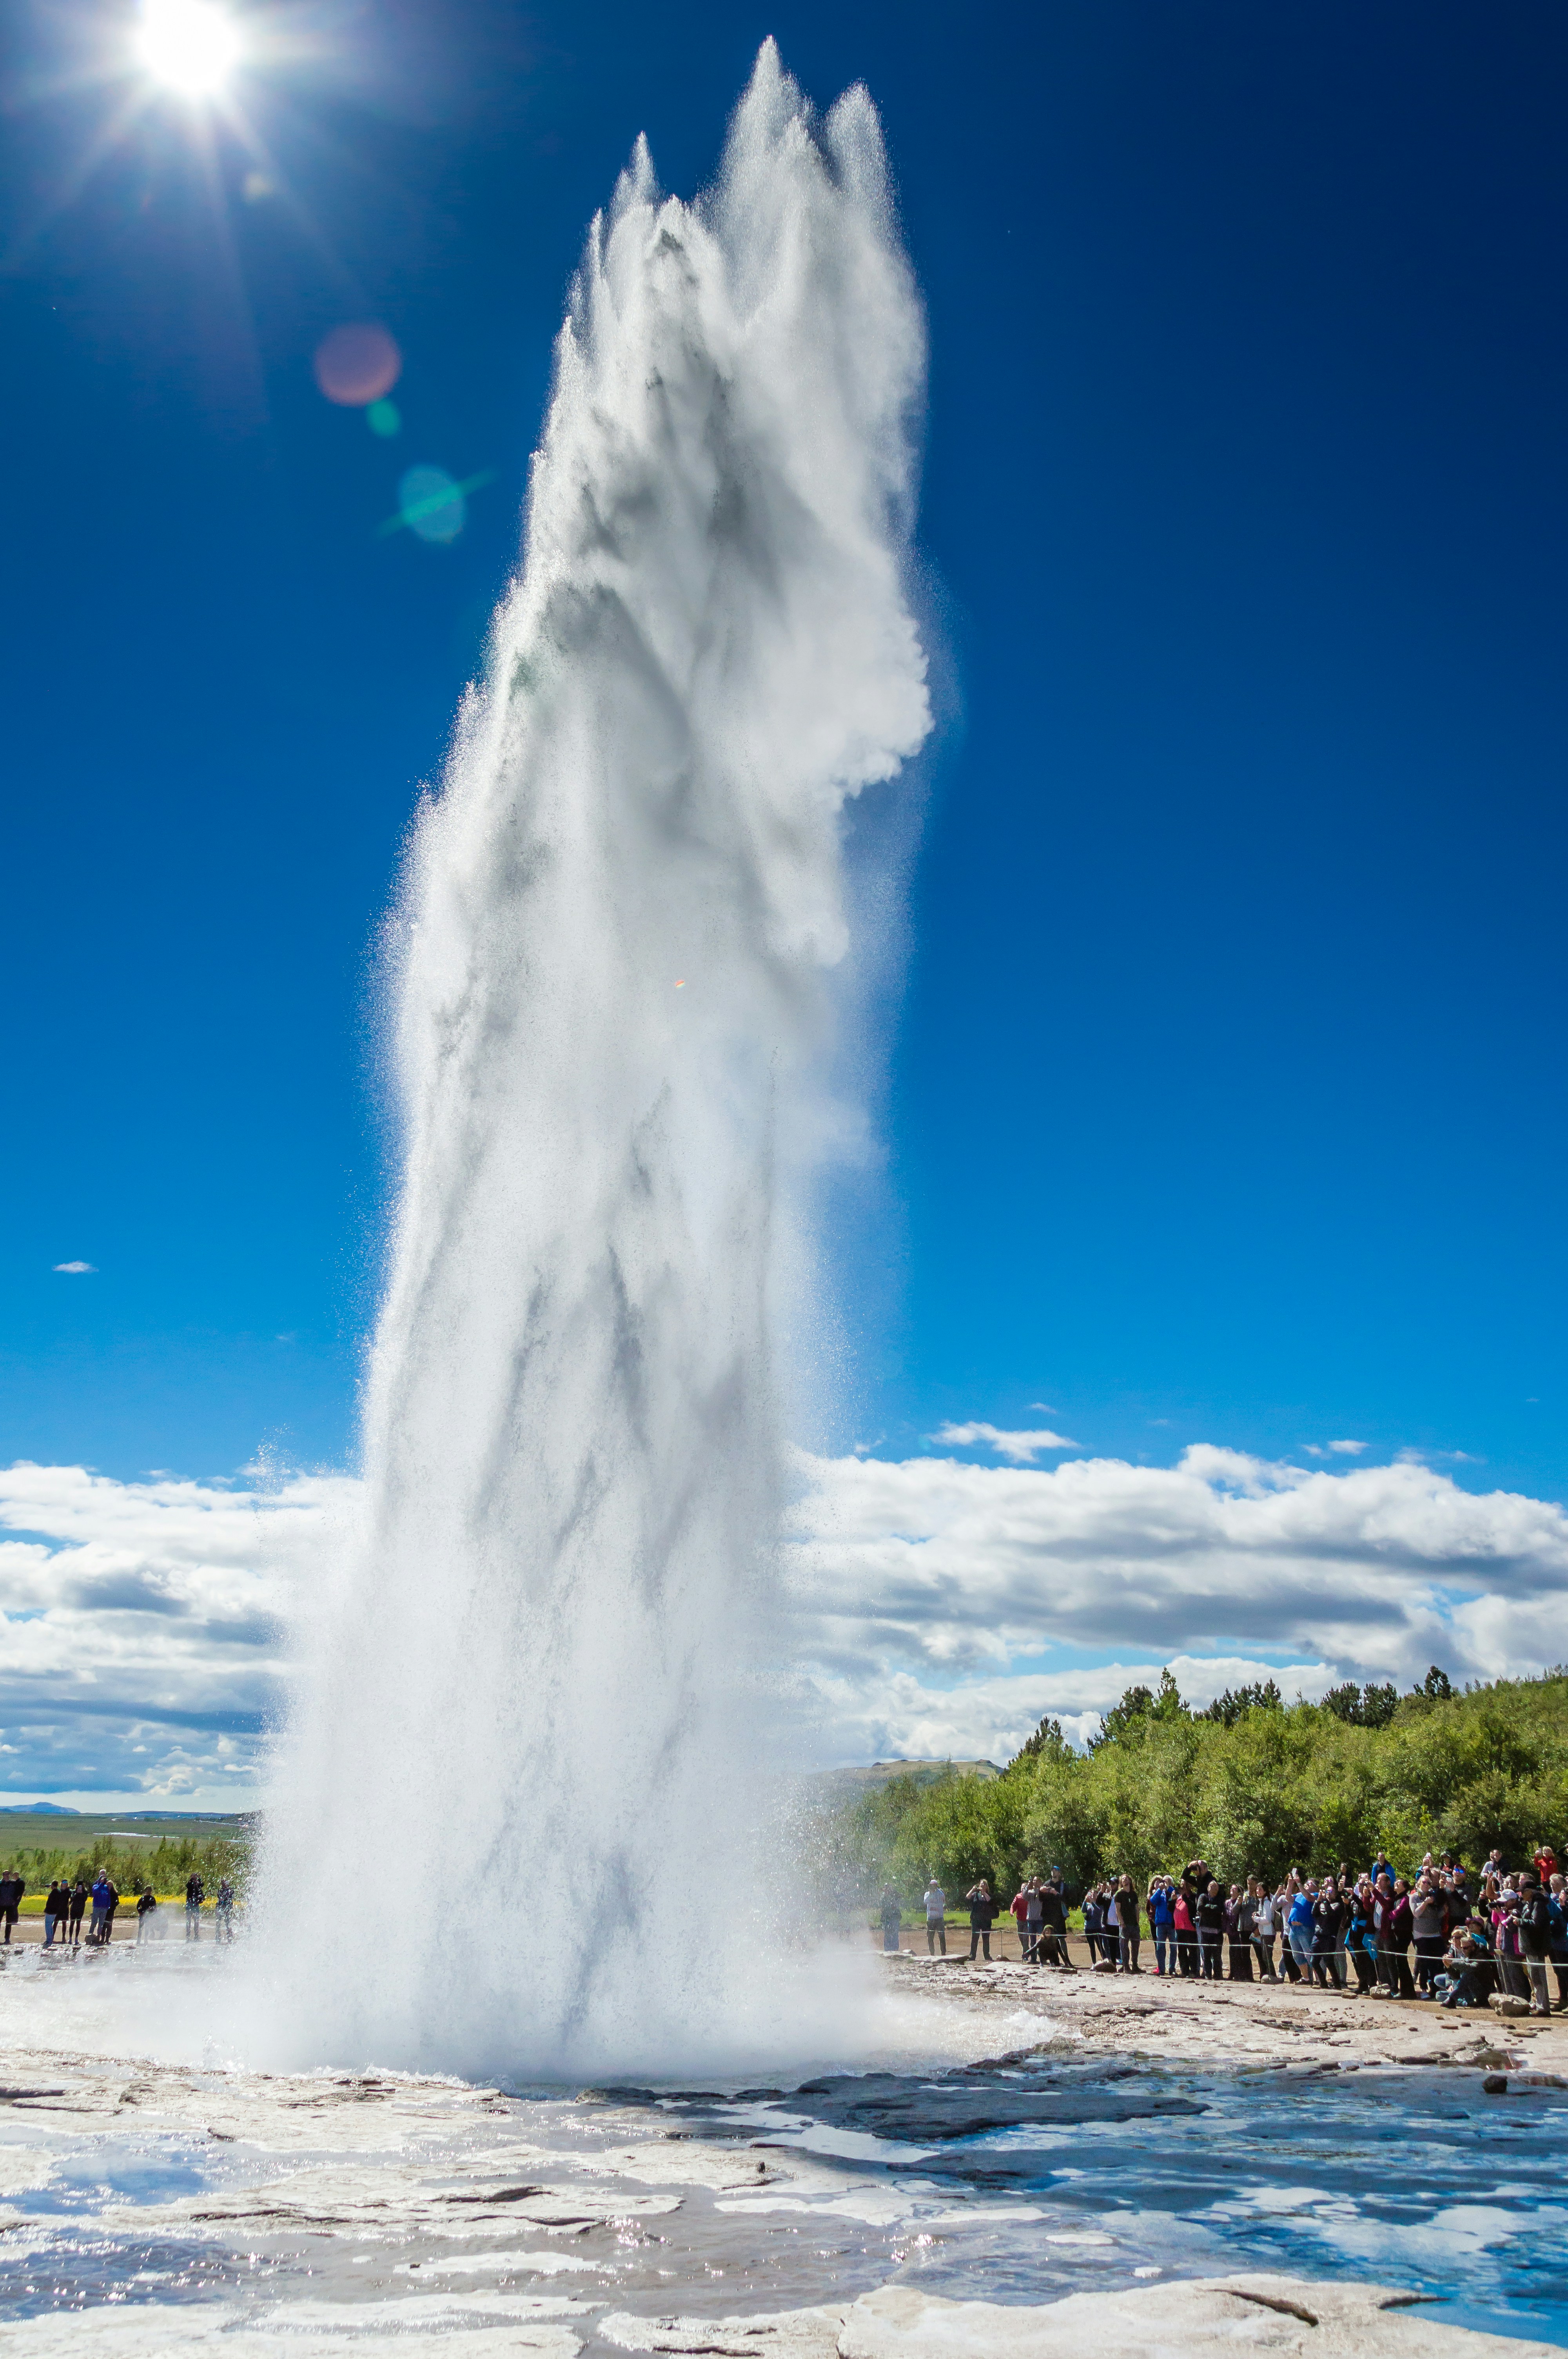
{"x":75,"y":1269}
{"x":889,"y":1715}
{"x":1016,"y":1446}
{"x":1350,"y":1449}
{"x":938,"y":1606}
{"x":922,"y":1583}
{"x":141,"y":1647}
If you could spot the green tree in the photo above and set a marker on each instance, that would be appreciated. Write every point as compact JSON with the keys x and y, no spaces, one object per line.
{"x":1256,"y":1791}
{"x":1048,"y":1739}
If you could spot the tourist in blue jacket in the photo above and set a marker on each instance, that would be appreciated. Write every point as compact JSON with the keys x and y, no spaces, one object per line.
{"x":1361,"y":1938}
{"x":1162,"y":1920}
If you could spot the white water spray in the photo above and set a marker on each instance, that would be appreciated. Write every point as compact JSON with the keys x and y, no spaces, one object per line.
{"x":530,"y":1753}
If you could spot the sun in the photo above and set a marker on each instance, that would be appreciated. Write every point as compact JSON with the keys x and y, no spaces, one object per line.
{"x":190,"y":46}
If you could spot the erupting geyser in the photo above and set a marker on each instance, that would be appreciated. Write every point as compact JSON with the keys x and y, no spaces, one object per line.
{"x":538,"y":1676}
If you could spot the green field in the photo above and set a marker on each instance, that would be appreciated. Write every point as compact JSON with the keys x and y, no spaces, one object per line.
{"x":162,"y":1850}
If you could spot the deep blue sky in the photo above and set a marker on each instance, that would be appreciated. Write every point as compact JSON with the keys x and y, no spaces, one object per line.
{"x":1229,"y":1087}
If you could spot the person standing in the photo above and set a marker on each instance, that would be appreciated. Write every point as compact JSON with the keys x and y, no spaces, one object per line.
{"x":195,"y":1893}
{"x":11,"y":1890}
{"x":1505,"y":1940}
{"x":145,"y":1903}
{"x":1018,"y":1909}
{"x":1033,"y":1919}
{"x":111,"y":1902}
{"x":1361,"y":1937}
{"x":1209,"y":1912}
{"x":57,"y":1909}
{"x":1128,"y":1924}
{"x":226,"y":1909}
{"x":935,"y":1917}
{"x":1161,"y":1922}
{"x":77,"y":1908}
{"x":1535,"y":1919}
{"x":1299,"y":1929}
{"x":1238,"y":1923}
{"x":891,"y":1916}
{"x":1327,"y":1928}
{"x":100,"y":1907}
{"x":1455,"y":1901}
{"x":1054,"y":1922}
{"x":1394,"y":1938}
{"x":1265,"y":1924}
{"x":1186,"y":1929}
{"x":1429,"y":1924}
{"x":1094,"y":1922}
{"x":982,"y":1916}
{"x":1557,"y":1902}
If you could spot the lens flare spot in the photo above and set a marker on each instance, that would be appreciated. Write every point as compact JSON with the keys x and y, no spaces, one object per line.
{"x":385,"y":419}
{"x":431,"y":505}
{"x":188,"y":45}
{"x":680,"y":983}
{"x":357,"y":363}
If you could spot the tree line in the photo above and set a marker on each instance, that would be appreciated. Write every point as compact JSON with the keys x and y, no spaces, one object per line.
{"x":165,"y":1864}
{"x":1251,"y":1784}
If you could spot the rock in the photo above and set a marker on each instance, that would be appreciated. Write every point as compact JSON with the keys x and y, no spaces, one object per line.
{"x":1203,"y":2318}
{"x":914,"y":2112}
{"x":153,"y":2330}
{"x":1196,"y":2318}
{"x":779,"y":2335}
{"x":681,"y":2162}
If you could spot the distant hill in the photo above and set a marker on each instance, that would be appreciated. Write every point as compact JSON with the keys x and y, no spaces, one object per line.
{"x":924,"y":1773}
{"x":38,"y":1811}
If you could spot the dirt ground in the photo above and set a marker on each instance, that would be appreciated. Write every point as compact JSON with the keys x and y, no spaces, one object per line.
{"x":168,"y":1925}
{"x":1181,"y":2019}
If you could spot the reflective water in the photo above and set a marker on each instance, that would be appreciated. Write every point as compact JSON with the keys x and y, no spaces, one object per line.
{"x":375,"y":2202}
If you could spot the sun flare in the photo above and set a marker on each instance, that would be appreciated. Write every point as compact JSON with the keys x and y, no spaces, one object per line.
{"x":190,"y":46}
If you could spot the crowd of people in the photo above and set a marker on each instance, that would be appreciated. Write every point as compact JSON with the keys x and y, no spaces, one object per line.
{"x":66,"y":1905}
{"x":1474,"y":1933}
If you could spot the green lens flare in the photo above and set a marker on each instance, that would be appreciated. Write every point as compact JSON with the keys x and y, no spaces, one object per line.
{"x":432,"y":505}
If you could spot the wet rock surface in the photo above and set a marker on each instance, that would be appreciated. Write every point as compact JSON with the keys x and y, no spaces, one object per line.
{"x":144,"y":2206}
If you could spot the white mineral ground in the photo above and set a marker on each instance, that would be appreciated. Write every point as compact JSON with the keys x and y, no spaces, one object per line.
{"x":1183,"y":2020}
{"x":161,"y":2205}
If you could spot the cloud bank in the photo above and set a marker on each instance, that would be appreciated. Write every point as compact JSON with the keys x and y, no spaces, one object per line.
{"x":937,"y":1607}
{"x":141,"y":1648}
{"x":936,"y":1596}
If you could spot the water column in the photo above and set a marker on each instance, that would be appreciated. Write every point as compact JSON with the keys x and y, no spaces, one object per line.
{"x":530,"y":1737}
